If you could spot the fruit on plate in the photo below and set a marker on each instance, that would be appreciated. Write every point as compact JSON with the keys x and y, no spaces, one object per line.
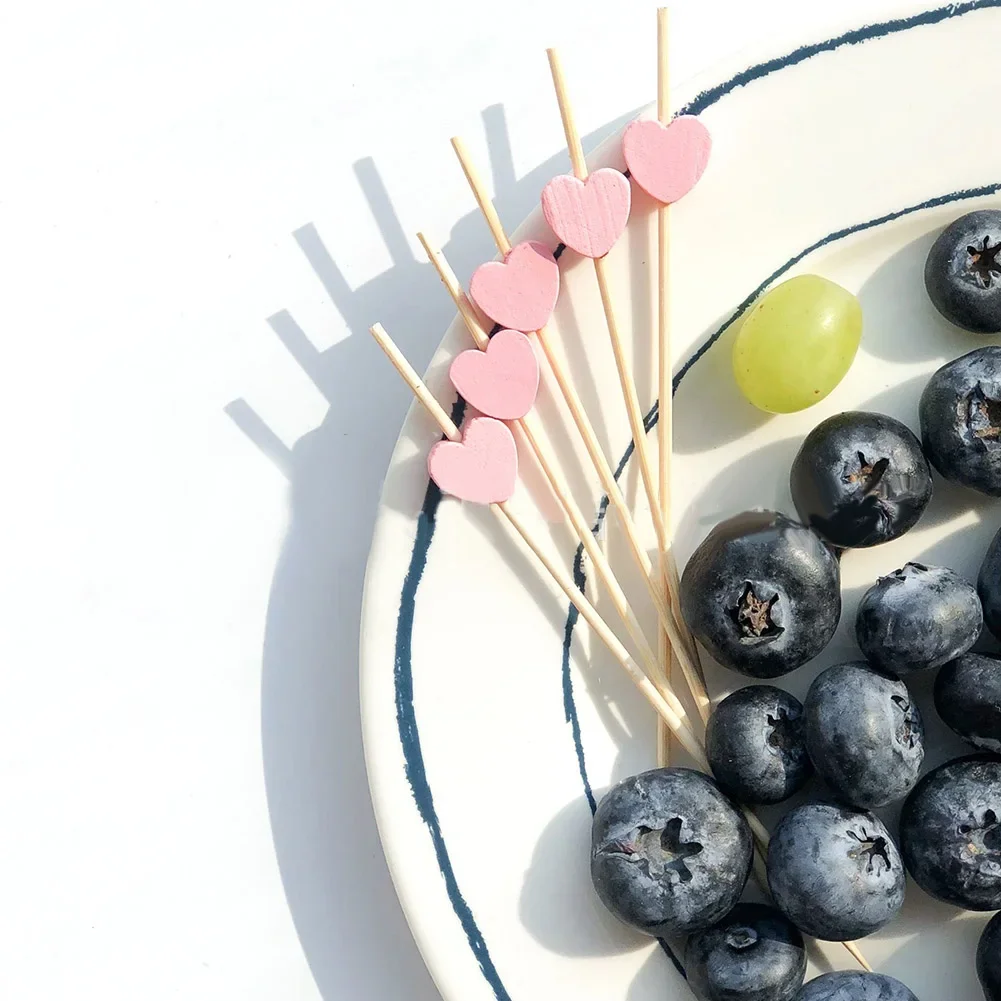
{"x":989,"y":586}
{"x":989,"y":959}
{"x":796,"y":344}
{"x":754,"y":954}
{"x":850,"y":985}
{"x":670,"y":854}
{"x":963,"y":272}
{"x":917,"y":617}
{"x":864,"y":734}
{"x":755,"y":746}
{"x":835,"y":872}
{"x":960,"y":413}
{"x":968,"y":698}
{"x":860,"y":479}
{"x":762,"y":594}
{"x":950,"y":833}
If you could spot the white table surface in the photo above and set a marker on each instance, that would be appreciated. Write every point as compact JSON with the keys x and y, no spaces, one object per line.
{"x":203,"y":205}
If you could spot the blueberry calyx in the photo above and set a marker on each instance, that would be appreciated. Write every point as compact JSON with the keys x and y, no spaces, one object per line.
{"x":784,"y":733}
{"x":905,"y":732}
{"x":868,"y":506}
{"x":868,"y":474}
{"x":983,"y":415}
{"x":870,"y":494}
{"x":660,"y":850}
{"x":741,"y":937}
{"x":984,"y":843}
{"x":753,"y":615}
{"x":983,"y":264}
{"x":901,"y":575}
{"x":870,"y":848}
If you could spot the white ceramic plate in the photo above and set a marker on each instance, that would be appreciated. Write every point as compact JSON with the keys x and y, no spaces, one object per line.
{"x":486,"y":742}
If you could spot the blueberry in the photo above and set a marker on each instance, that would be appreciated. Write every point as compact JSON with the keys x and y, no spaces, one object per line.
{"x":853,"y":986}
{"x":968,"y":698}
{"x":835,"y":872}
{"x":963,"y":272}
{"x":960,"y":414}
{"x":950,"y":834}
{"x":918,"y":617}
{"x":754,"y":742}
{"x":989,"y":959}
{"x":753,"y":954}
{"x":762,"y":594}
{"x":864,"y":734}
{"x":670,"y":854}
{"x":989,"y":586}
{"x":860,"y":479}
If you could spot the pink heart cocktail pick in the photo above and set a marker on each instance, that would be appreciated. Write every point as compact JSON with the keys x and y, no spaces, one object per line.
{"x":666,"y":161}
{"x":588,"y":215}
{"x":519,"y":292}
{"x":482,"y":468}
{"x":501,"y":381}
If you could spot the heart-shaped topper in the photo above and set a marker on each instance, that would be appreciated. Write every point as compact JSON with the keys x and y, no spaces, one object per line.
{"x":588,"y":216}
{"x":666,"y":161}
{"x":482,"y":468}
{"x":502,"y":381}
{"x":519,"y":292}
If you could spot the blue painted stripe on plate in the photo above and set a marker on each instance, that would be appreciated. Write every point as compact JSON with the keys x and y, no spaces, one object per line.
{"x":854,"y":37}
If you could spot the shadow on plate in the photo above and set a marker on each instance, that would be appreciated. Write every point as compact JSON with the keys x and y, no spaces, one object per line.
{"x":326,"y":841}
{"x":769,"y":467}
{"x":921,"y":956}
{"x":899,"y":319}
{"x":710,"y":391}
{"x":558,"y":905}
{"x":726,"y":493}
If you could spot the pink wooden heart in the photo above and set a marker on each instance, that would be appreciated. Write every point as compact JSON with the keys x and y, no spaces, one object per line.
{"x":482,"y":468}
{"x":502,"y":381}
{"x":519,"y":292}
{"x":588,"y":216}
{"x":666,"y":161}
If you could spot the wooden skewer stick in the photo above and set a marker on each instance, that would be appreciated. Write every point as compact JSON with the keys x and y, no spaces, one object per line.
{"x":664,"y":657}
{"x":529,"y":427}
{"x":856,"y":953}
{"x":664,"y":386}
{"x":690,"y":670}
{"x":674,"y":628}
{"x":665,"y":381}
{"x":626,"y":382}
{"x":663,"y":704}
{"x":665,"y":436}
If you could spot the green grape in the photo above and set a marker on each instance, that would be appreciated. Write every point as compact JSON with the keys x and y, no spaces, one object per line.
{"x":796,"y":344}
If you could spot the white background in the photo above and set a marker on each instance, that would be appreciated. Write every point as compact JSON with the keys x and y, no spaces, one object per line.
{"x":203,"y":205}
